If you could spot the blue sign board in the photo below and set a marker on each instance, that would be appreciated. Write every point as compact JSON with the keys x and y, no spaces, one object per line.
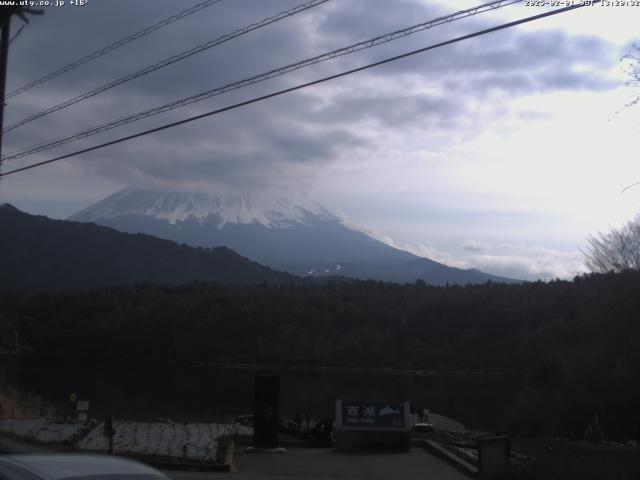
{"x":372,"y":415}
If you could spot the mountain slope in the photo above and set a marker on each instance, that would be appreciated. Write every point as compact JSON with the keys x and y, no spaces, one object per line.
{"x":39,"y":253}
{"x":291,"y":233}
{"x":265,"y":228}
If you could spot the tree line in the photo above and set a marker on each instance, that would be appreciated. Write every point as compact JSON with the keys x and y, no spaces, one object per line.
{"x":577,"y":339}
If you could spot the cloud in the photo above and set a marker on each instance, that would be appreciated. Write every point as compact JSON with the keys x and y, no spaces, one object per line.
{"x":405,"y":133}
{"x":527,"y":262}
{"x":473,"y":246}
{"x":288,"y":138}
{"x":399,"y":110}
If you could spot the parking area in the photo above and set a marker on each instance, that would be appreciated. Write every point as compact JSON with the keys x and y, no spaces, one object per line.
{"x":326,"y":464}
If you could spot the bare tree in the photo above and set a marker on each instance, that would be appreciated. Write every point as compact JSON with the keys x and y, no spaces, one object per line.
{"x":631,"y":66}
{"x":616,"y":251}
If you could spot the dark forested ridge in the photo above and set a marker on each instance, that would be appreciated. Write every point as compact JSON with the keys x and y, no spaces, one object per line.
{"x":490,"y":326}
{"x":38,"y":253}
{"x":578,"y":339}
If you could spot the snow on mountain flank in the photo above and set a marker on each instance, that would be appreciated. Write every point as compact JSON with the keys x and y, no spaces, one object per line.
{"x":270,"y":210}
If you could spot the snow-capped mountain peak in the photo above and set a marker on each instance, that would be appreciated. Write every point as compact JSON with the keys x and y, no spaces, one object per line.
{"x":287,"y":232}
{"x":266,"y":209}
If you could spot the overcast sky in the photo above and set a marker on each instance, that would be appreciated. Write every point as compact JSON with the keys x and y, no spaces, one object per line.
{"x":503,"y":152}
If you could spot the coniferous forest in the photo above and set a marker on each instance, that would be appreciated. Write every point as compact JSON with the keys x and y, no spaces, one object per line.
{"x":575,"y":341}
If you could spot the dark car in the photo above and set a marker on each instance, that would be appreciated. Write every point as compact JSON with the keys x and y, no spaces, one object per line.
{"x":74,"y":466}
{"x":289,"y":427}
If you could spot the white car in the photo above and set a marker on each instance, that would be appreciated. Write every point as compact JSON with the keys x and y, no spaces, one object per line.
{"x":74,"y":466}
{"x":423,"y":427}
{"x":246,"y":420}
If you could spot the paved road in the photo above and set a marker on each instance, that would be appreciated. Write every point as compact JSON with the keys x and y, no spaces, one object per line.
{"x":324,"y":464}
{"x":309,"y":463}
{"x":12,"y":445}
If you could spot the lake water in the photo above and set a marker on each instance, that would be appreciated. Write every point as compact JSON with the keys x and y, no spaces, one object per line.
{"x":207,"y":394}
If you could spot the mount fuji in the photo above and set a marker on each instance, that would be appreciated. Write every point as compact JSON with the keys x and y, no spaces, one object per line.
{"x":286,"y":232}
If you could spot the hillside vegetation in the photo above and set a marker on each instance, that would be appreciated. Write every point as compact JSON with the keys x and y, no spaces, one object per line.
{"x":578,"y":340}
{"x":38,"y":253}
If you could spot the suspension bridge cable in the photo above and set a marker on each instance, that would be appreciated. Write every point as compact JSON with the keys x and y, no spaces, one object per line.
{"x":169,"y":61}
{"x":113,"y":46}
{"x":299,"y":87}
{"x":261,"y":77}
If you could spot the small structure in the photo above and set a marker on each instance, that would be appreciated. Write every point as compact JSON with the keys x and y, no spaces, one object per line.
{"x":494,"y":457}
{"x":372,"y":425}
{"x":83,"y":411}
{"x":266,"y":412}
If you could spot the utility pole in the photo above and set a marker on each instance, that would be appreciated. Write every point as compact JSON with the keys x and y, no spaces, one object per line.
{"x":5,"y":22}
{"x":4,"y":55}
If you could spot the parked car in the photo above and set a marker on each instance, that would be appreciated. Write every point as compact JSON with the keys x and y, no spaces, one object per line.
{"x":321,"y":435}
{"x":423,"y":427}
{"x":290,"y":427}
{"x":246,"y":420}
{"x":74,"y":466}
{"x":286,"y":426}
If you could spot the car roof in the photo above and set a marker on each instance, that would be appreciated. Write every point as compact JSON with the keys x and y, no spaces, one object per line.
{"x":61,"y":466}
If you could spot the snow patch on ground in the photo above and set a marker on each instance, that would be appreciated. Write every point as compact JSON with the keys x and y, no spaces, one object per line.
{"x":191,"y":441}
{"x":188,"y":441}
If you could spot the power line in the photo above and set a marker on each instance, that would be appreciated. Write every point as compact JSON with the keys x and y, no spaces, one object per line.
{"x":17,"y":34}
{"x":6,"y":13}
{"x":629,"y":186}
{"x":168,"y":61}
{"x":301,"y":86}
{"x":114,"y":46}
{"x":372,"y":42}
